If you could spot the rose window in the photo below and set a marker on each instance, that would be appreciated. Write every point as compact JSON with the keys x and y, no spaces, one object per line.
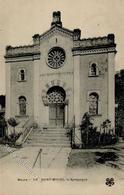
{"x":56,"y":57}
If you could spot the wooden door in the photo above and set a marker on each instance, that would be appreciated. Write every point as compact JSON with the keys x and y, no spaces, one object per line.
{"x":56,"y":115}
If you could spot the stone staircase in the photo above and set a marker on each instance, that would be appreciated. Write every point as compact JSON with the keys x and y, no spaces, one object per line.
{"x":48,"y":137}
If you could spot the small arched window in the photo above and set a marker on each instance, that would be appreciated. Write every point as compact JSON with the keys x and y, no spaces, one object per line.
{"x":93,"y":70}
{"x":93,"y":103}
{"x":22,"y":75}
{"x":22,"y":105}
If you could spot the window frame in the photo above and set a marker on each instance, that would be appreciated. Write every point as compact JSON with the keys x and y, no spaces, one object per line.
{"x":99,"y":113}
{"x":19,"y":75}
{"x":19,"y":98}
{"x":96,"y":108}
{"x":97,"y":70}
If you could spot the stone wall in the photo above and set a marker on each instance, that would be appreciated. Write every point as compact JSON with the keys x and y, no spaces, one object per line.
{"x":21,"y":88}
{"x":49,"y":77}
{"x":98,"y":84}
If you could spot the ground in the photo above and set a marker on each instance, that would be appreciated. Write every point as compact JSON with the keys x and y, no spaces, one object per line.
{"x":112,"y":157}
{"x":4,"y":152}
{"x":83,"y":167}
{"x":65,"y":158}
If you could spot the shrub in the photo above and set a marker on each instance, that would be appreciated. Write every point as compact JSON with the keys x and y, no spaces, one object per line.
{"x":91,"y":138}
{"x":14,"y":136}
{"x":13,"y":122}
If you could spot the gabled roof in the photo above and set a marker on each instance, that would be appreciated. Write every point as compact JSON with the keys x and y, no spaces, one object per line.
{"x":56,"y":28}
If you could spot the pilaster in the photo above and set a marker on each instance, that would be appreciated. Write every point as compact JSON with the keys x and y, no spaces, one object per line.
{"x":36,"y":91}
{"x":111,"y":88}
{"x":77,"y":89}
{"x":8,"y":89}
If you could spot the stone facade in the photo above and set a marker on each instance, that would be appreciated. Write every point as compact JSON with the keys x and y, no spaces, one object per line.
{"x":77,"y":74}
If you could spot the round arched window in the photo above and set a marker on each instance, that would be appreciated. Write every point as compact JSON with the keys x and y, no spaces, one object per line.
{"x":22,"y":105}
{"x":93,"y":103}
{"x":56,"y":57}
{"x":56,"y":95}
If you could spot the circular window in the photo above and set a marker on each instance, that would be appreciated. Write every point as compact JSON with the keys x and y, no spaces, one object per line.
{"x":56,"y":57}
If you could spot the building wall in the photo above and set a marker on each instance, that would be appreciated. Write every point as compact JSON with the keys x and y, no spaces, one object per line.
{"x":49,"y":77}
{"x":98,"y":84}
{"x":73,"y":77}
{"x":21,"y":88}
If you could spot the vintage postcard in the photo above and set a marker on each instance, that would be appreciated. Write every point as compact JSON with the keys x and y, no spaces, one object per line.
{"x":61,"y":97}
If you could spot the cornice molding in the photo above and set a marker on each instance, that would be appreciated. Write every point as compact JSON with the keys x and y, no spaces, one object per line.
{"x":22,"y":51}
{"x":19,"y":58}
{"x":77,"y":51}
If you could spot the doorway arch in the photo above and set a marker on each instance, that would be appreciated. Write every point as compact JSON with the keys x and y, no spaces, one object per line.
{"x":56,"y":101}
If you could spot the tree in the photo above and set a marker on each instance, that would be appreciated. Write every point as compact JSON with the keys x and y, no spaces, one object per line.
{"x":2,"y":101}
{"x":3,"y":125}
{"x":119,"y":96}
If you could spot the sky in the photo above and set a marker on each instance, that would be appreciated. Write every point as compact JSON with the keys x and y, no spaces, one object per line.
{"x":21,"y":19}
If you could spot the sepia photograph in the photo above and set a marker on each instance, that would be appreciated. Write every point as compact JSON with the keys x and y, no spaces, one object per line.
{"x":61,"y":97}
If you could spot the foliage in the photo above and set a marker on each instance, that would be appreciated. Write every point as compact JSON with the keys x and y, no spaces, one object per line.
{"x":119,"y":97}
{"x":2,"y":101}
{"x":11,"y":139}
{"x":3,"y":125}
{"x":12,"y":122}
{"x":93,"y":138}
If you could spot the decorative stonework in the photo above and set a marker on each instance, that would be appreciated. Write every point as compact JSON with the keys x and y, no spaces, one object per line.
{"x":22,"y":51}
{"x":82,"y":51}
{"x":52,"y":83}
{"x":94,"y":45}
{"x":96,"y":41}
{"x":56,"y":96}
{"x":56,"y":57}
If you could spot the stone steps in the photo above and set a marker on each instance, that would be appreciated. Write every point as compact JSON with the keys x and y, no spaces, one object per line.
{"x":47,"y":145}
{"x":47,"y":141}
{"x":49,"y":133}
{"x":48,"y":137}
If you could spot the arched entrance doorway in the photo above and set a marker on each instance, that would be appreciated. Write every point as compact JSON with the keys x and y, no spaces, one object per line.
{"x":56,"y":101}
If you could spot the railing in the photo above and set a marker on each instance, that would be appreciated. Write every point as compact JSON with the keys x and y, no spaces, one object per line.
{"x":38,"y":157}
{"x":75,"y":135}
{"x":72,"y":132}
{"x":26,"y":130}
{"x":27,"y":126}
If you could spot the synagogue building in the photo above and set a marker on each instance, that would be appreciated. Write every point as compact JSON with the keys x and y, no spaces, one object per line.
{"x":61,"y":75}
